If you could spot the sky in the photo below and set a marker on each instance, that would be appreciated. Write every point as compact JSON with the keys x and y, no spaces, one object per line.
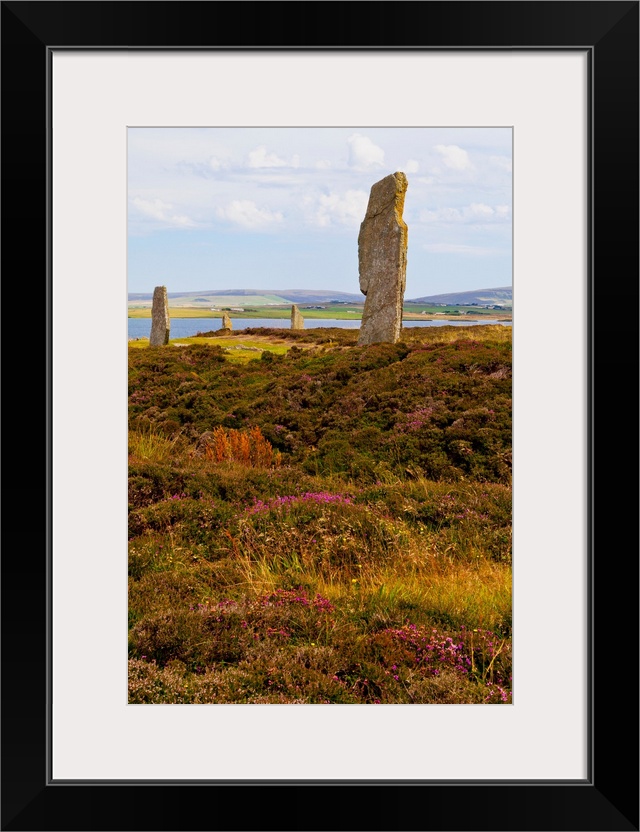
{"x":281,"y":208}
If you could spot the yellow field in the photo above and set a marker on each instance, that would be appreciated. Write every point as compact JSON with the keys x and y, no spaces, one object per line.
{"x":238,"y":349}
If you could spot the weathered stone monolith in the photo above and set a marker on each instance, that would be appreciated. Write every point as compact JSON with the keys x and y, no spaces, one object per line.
{"x":226,"y":322}
{"x":297,"y":321}
{"x":382,"y":261}
{"x":160,"y":321}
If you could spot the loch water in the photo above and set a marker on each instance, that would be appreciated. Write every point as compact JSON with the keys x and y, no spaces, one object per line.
{"x":187,"y":327}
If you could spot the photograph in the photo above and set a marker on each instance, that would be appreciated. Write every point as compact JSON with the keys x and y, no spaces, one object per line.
{"x":332,"y":351}
{"x":319,"y":332}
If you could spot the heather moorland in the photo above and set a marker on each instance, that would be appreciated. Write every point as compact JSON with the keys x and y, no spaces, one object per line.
{"x":312,"y":521}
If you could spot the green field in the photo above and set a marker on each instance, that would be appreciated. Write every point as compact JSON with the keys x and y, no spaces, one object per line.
{"x":340,"y":312}
{"x":349,"y":312}
{"x":238,"y":348}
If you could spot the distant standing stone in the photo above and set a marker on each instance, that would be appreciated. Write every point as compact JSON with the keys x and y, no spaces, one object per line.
{"x":297,"y":321}
{"x":226,"y":322}
{"x":382,"y":261}
{"x":160,"y":321}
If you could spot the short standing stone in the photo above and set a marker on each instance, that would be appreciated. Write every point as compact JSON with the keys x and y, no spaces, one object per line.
{"x":226,"y":322}
{"x":297,"y":321}
{"x":160,"y":321}
{"x":382,"y":261}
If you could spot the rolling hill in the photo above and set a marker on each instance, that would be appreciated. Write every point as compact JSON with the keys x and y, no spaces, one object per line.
{"x":248,"y":297}
{"x":480,"y":297}
{"x":260,"y":297}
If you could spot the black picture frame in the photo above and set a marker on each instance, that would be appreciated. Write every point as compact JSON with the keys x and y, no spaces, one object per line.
{"x":608,"y":798}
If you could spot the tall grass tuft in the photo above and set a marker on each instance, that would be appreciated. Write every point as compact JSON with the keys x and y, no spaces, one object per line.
{"x":151,"y":445}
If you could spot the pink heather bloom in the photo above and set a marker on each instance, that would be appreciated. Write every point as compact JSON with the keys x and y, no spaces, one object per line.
{"x":322,"y":497}
{"x":281,"y":597}
{"x":415,"y":420}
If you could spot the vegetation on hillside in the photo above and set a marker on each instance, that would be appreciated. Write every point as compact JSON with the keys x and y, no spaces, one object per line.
{"x":342,"y":311}
{"x":321,"y":523}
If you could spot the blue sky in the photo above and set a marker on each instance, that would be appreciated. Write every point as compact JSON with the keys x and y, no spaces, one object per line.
{"x":280,"y":208}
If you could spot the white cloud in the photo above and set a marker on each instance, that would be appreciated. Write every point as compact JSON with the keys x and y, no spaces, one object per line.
{"x":340,"y":209}
{"x":162,"y":212}
{"x":412,"y":166}
{"x":458,"y":248}
{"x":477,"y":212}
{"x":323,"y":164}
{"x":215,"y":163}
{"x":246,"y":213}
{"x":259,"y":158}
{"x":363,"y":153}
{"x":441,"y":215}
{"x":478,"y":209}
{"x":453,"y":156}
{"x":502,"y":162}
{"x":266,"y":177}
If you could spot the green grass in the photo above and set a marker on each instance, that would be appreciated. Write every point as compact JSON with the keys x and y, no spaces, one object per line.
{"x":352,"y":312}
{"x":238,"y":349}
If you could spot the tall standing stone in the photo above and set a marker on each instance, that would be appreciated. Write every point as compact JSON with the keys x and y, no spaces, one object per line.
{"x":226,"y":322}
{"x":297,"y":321}
{"x":382,"y":261}
{"x":160,"y":321}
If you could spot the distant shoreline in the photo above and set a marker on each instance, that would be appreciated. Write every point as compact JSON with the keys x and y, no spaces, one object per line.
{"x":315,"y":314}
